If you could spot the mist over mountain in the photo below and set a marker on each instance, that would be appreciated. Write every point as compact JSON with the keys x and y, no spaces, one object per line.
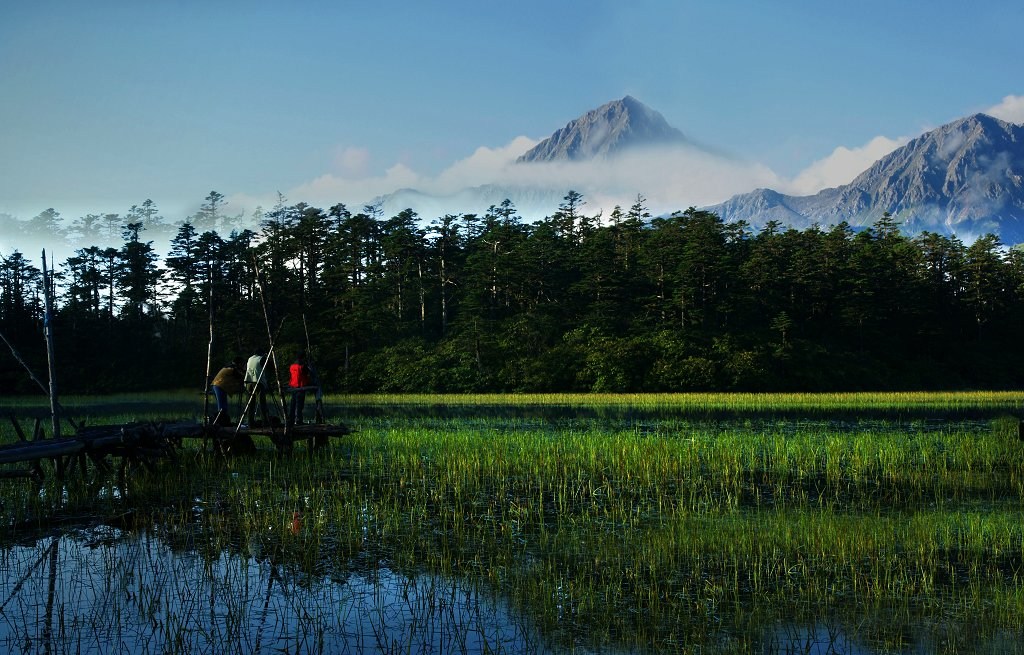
{"x":531,"y":201}
{"x":964,"y":178}
{"x":609,"y":154}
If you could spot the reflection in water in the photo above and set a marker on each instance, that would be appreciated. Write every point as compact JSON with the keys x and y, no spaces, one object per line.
{"x":106,"y":591}
{"x":830,"y":638}
{"x":820,"y":639}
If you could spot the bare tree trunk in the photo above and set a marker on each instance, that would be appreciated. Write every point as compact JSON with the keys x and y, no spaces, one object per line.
{"x":444,"y":300}
{"x":423,"y":296}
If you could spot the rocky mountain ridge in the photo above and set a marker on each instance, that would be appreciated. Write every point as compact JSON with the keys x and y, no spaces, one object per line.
{"x":964,"y":178}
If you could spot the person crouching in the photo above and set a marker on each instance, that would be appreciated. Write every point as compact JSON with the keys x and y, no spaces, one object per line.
{"x":227,"y":381}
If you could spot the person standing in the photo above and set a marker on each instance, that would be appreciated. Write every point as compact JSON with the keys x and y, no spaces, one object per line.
{"x":299,"y":379}
{"x":256,"y":387}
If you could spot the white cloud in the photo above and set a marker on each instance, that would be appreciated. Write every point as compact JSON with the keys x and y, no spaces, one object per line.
{"x":842,"y":166}
{"x":1011,"y":109}
{"x":349,"y":183}
{"x":671,"y":179}
{"x":484,"y":166}
{"x":331,"y":188}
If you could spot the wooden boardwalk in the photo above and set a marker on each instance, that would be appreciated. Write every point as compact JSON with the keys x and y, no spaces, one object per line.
{"x":145,"y":444}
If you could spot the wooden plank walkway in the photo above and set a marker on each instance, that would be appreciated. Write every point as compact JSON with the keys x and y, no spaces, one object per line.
{"x":147,"y":443}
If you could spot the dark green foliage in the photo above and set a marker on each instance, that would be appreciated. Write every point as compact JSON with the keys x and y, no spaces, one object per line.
{"x":574,"y":302}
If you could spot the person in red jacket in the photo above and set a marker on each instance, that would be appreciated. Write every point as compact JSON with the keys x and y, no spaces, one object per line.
{"x":299,"y":379}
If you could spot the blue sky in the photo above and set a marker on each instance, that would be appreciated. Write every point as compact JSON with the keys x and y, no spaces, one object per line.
{"x":104,"y":104}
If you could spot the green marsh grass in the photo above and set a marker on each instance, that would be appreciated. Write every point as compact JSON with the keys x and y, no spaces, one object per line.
{"x":623,"y":535}
{"x":766,"y":403}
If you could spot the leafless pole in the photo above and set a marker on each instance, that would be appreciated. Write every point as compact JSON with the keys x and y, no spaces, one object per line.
{"x":50,"y":354}
{"x":50,"y":597}
{"x":270,"y":337}
{"x":259,"y":381}
{"x":209,"y":349}
{"x":319,"y":405}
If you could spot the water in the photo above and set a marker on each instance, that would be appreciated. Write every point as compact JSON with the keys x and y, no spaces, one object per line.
{"x":170,"y":589}
{"x":86,"y":591}
{"x":103,"y":590}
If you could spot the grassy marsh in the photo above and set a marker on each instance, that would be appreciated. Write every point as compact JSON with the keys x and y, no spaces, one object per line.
{"x":643,"y":527}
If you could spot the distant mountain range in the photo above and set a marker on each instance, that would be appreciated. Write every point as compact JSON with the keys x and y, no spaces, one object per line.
{"x":964,"y":178}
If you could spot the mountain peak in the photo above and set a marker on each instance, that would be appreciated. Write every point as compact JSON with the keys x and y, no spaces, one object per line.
{"x":632,"y":103}
{"x":981,"y":118}
{"x":606,"y":131}
{"x":975,"y":122}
